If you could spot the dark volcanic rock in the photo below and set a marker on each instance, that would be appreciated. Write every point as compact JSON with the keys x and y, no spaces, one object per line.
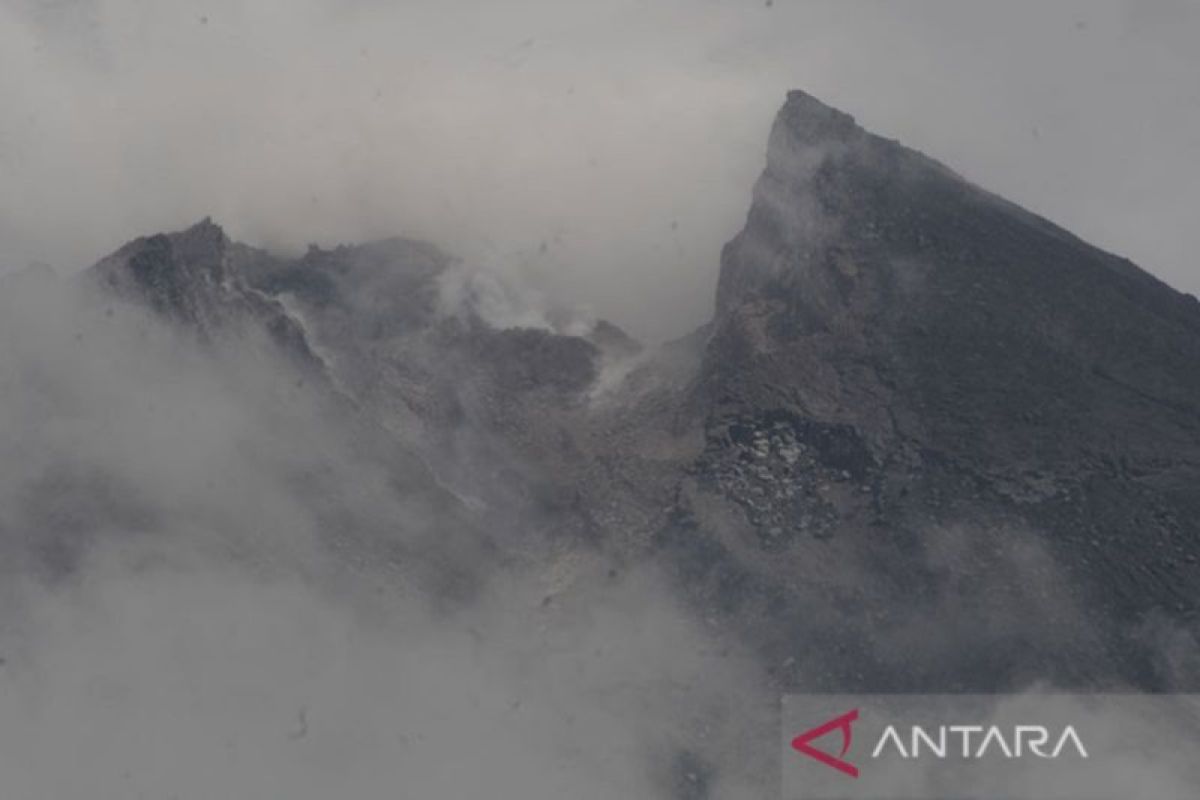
{"x":194,"y":277}
{"x":613,"y":341}
{"x":928,"y":441}
{"x":896,"y":351}
{"x":524,"y":359}
{"x":179,"y":274}
{"x":381,"y":288}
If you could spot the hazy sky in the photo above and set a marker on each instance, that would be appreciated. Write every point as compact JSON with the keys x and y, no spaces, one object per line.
{"x":603,"y":150}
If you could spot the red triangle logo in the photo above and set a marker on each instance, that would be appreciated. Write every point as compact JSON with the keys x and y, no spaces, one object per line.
{"x":801,"y":743}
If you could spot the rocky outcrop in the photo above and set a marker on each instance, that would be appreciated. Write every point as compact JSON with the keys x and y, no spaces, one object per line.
{"x":195,"y":278}
{"x":929,"y":440}
{"x":897,"y":352}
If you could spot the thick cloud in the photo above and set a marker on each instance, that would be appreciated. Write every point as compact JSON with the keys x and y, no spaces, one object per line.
{"x":212,"y":588}
{"x":209,"y":584}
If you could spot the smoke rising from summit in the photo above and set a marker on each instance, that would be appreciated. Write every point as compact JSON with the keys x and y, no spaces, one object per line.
{"x":280,"y":516}
{"x":598,"y":150}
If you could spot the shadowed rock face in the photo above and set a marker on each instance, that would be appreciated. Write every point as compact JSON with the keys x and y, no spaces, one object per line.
{"x":897,"y":352}
{"x":379,"y":331}
{"x":195,"y":278}
{"x":928,"y":440}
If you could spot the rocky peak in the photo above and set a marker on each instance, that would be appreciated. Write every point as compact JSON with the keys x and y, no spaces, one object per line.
{"x":805,"y":120}
{"x":176,"y":274}
{"x":196,"y":277}
{"x":858,"y":244}
{"x":202,"y":246}
{"x":930,"y":355}
{"x":900,"y":363}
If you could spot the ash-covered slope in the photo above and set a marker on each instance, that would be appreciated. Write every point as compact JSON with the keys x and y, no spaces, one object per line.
{"x":403,"y":342}
{"x":992,"y":426}
{"x":929,"y":440}
{"x":193,"y":277}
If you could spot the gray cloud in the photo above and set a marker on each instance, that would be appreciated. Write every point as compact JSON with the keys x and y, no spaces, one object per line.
{"x":193,"y":606}
{"x":213,"y":588}
{"x":601,"y":151}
